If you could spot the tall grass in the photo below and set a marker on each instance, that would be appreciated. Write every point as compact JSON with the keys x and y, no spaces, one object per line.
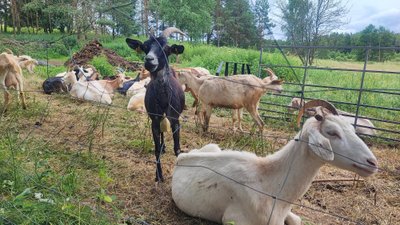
{"x":34,"y":188}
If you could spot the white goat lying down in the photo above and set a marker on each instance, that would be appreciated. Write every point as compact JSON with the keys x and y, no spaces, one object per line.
{"x":84,"y":90}
{"x":137,"y":92}
{"x":350,"y":117}
{"x":203,"y":181}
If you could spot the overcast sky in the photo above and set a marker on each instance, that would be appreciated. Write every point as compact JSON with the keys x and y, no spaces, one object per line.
{"x":362,"y":13}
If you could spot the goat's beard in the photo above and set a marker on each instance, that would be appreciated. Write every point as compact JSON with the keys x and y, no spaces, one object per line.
{"x":150,"y":67}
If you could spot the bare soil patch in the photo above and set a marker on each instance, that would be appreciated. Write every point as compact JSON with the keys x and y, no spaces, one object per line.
{"x":95,"y":48}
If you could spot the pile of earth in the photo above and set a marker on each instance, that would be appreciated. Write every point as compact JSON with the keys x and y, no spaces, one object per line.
{"x":95,"y":48}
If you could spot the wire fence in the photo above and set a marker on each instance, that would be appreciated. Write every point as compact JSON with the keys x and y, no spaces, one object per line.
{"x":186,"y":123}
{"x":367,"y":94}
{"x":301,"y":89}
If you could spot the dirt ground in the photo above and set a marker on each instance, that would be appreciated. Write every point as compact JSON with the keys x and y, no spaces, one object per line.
{"x":95,"y":48}
{"x":126,"y":145}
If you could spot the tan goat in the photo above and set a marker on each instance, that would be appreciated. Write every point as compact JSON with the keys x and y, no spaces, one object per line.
{"x":236,"y":92}
{"x":11,"y":76}
{"x":364,"y":126}
{"x":192,"y":71}
{"x":26,"y":62}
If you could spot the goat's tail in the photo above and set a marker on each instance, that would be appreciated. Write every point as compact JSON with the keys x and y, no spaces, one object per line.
{"x":165,"y":125}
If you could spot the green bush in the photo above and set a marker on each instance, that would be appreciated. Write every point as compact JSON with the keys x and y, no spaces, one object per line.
{"x":102,"y":65}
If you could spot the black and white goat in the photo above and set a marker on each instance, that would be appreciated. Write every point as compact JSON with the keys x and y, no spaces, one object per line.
{"x":164,"y":95}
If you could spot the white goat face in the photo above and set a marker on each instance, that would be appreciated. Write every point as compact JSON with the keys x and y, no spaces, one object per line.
{"x":121,"y":79}
{"x":276,"y":86}
{"x":335,"y":141}
{"x":69,"y":77}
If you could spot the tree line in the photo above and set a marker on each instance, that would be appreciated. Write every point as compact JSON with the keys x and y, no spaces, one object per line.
{"x":239,"y":23}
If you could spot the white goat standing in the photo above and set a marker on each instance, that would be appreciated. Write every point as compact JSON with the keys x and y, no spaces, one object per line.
{"x":215,"y":185}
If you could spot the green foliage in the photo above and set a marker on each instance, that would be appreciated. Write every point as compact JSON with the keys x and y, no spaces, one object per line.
{"x":306,"y":21}
{"x":238,"y":26}
{"x":102,"y":66}
{"x":187,"y":15}
{"x":376,"y":37}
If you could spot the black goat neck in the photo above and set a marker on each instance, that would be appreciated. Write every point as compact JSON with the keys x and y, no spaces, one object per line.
{"x":161,"y":74}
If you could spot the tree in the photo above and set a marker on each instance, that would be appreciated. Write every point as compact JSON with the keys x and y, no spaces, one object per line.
{"x":15,"y":12}
{"x":263,"y":23}
{"x":376,"y":37}
{"x":238,"y":24}
{"x":4,"y":14}
{"x":306,"y":21}
{"x":188,"y":15}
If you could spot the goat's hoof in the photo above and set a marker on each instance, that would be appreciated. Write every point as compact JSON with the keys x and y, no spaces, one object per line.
{"x":179,"y":152}
{"x":159,"y":179}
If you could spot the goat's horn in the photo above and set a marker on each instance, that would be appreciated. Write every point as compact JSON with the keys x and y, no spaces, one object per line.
{"x":315,"y":103}
{"x":170,"y":30}
{"x":9,"y":51}
{"x":270,"y":72}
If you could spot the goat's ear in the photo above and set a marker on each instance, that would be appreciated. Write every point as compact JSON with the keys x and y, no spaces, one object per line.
{"x":134,"y":44}
{"x":177,"y":49}
{"x":276,"y":82}
{"x":320,"y":145}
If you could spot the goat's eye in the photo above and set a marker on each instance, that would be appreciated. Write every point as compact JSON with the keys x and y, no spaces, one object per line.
{"x":333,"y":134}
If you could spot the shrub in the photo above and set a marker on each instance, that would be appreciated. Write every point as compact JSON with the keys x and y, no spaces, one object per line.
{"x":102,"y":65}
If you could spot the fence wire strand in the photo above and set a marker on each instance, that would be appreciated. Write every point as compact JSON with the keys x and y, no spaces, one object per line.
{"x":57,"y":131}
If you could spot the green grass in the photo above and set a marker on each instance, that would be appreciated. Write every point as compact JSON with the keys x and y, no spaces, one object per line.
{"x":45,"y":183}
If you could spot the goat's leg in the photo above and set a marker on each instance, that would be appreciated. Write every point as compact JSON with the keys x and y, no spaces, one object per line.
{"x":256,"y":117}
{"x":196,"y":99}
{"x":22,"y":96}
{"x":237,"y":116}
{"x":6,"y":100}
{"x":162,"y":144}
{"x":206,"y":116}
{"x":240,"y":116}
{"x":20,"y":89}
{"x":292,"y":219}
{"x":175,"y":127}
{"x":234,"y":118}
{"x":155,"y":128}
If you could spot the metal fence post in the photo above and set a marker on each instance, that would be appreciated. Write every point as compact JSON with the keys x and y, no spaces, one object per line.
{"x":226,"y":72}
{"x":219,"y":68}
{"x":303,"y":84}
{"x":259,"y":63}
{"x":367,"y":50}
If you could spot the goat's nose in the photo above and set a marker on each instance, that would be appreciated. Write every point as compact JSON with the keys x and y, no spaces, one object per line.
{"x":372,"y":162}
{"x":149,"y":58}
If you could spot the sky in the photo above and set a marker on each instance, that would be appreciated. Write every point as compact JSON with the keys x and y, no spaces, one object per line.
{"x":361,"y":13}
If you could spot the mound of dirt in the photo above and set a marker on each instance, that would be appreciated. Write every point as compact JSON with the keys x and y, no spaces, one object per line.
{"x":95,"y":48}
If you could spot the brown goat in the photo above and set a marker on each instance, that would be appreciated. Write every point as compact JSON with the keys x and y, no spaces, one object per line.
{"x":11,"y":76}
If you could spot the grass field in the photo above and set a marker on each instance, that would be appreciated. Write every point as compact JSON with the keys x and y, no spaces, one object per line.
{"x":65,"y":161}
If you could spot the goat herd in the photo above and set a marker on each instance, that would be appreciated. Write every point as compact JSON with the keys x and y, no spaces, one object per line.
{"x":224,"y":186}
